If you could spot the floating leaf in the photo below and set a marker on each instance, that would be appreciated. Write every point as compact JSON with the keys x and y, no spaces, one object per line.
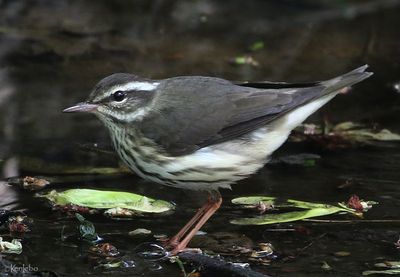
{"x":310,"y":210}
{"x":98,"y":199}
{"x":280,"y":203}
{"x":286,"y":217}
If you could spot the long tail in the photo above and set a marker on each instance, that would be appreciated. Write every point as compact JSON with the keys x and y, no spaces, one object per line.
{"x":353,"y":77}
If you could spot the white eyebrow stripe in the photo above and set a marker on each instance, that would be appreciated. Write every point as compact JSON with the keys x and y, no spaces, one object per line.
{"x":147,"y":86}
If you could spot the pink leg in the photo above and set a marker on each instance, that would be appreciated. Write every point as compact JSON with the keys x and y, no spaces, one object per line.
{"x":174,"y":241}
{"x":207,"y":211}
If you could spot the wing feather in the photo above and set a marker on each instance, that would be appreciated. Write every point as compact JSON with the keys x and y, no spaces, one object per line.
{"x":188,"y":113}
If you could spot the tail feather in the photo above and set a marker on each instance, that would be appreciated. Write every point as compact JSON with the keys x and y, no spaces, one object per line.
{"x":353,"y":77}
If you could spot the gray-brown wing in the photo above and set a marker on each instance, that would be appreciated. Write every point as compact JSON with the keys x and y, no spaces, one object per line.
{"x":189,"y":114}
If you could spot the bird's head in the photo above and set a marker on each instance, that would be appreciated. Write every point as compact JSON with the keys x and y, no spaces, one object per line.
{"x":119,"y":97}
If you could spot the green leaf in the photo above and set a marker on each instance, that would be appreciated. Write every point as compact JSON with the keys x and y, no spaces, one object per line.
{"x":258,"y":45}
{"x":283,"y":203}
{"x":310,"y":209}
{"x":98,"y":199}
{"x":253,"y":200}
{"x":287,"y":217}
{"x":240,"y":60}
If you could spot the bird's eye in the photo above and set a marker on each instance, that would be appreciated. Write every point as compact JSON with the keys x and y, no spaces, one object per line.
{"x":119,"y":96}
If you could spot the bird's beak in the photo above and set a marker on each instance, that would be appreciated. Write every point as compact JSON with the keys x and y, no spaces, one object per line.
{"x":81,"y":108}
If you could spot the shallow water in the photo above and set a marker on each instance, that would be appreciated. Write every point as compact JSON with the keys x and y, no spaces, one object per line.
{"x":52,"y":53}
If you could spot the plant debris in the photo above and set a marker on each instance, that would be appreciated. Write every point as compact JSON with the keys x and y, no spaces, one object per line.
{"x":244,"y":60}
{"x":116,"y":203}
{"x":120,"y":213}
{"x":28,"y":182}
{"x":342,"y":135}
{"x":388,"y":264}
{"x":342,"y":254}
{"x":304,"y":209}
{"x":14,"y":246}
{"x":104,"y":250}
{"x":72,"y":209}
{"x":19,"y":224}
{"x":391,"y":268}
{"x":359,"y":205}
{"x":34,"y":183}
{"x":263,"y":254}
{"x":86,"y":229}
{"x":326,"y":266}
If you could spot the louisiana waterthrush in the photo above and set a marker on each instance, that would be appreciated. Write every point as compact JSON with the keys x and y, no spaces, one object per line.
{"x":203,"y":133}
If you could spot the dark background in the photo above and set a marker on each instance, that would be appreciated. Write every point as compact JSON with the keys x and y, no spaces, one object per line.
{"x":53,"y":52}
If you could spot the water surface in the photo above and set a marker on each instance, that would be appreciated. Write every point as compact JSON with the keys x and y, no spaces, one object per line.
{"x":52,"y":53}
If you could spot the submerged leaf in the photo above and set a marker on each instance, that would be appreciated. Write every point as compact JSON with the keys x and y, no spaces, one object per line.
{"x":98,"y":199}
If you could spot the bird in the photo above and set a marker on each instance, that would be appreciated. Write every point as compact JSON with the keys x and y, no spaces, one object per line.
{"x":203,"y":133}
